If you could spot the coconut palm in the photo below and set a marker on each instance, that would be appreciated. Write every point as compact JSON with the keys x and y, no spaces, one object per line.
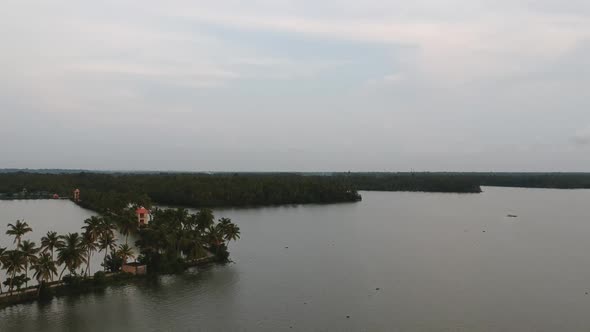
{"x":50,"y":242}
{"x":107,"y":241}
{"x":204,"y":219}
{"x":29,"y":251}
{"x":92,"y":227}
{"x":127,"y":224}
{"x":72,"y":255}
{"x":2,"y":257}
{"x":195,"y":244}
{"x":231,"y":232}
{"x":224,"y":222}
{"x":14,"y":262}
{"x":44,"y":269}
{"x":215,"y":236}
{"x":90,"y":245}
{"x":17,"y":230}
{"x":106,"y":228}
{"x":125,"y":252}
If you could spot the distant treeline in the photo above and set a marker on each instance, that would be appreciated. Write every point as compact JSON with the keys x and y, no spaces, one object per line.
{"x":101,"y":191}
{"x":112,"y":191}
{"x":426,"y":182}
{"x":464,"y":182}
{"x":533,"y":180}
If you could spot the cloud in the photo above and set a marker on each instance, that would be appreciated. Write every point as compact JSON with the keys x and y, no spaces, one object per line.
{"x":453,"y":83}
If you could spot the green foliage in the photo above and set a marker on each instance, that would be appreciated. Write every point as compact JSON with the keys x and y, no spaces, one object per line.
{"x":17,"y":230}
{"x":107,"y":193}
{"x":73,"y":280}
{"x":16,"y":282}
{"x":112,"y":263}
{"x":221,"y":252}
{"x":176,"y":237}
{"x":44,"y":268}
{"x":100,"y":278}
{"x":72,"y":254}
{"x":426,"y":182}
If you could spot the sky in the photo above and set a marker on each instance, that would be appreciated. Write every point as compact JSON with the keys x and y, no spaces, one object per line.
{"x":306,"y":85}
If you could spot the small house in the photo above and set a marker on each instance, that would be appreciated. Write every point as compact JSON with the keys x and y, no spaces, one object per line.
{"x":143,"y":216}
{"x":134,"y":268}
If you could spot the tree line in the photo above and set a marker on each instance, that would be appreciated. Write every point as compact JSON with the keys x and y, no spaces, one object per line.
{"x":423,"y":182}
{"x":111,"y":191}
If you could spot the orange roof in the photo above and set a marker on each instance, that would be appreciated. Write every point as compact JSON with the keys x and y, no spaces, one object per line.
{"x":141,"y":209}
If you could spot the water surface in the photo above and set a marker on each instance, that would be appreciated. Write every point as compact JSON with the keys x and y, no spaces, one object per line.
{"x":393,"y":262}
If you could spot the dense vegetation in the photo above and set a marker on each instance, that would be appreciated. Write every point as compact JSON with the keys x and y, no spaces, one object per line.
{"x":174,"y":239}
{"x":533,"y":180}
{"x":465,"y":182}
{"x":426,"y":182}
{"x":112,"y":191}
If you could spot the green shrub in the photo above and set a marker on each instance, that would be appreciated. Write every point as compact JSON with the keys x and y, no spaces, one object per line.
{"x":72,"y":280}
{"x":100,"y":278}
{"x":113,"y":263}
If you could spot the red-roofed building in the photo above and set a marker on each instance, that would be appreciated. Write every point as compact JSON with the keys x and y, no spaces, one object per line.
{"x":55,"y":196}
{"x":77,"y":195}
{"x":143,"y":216}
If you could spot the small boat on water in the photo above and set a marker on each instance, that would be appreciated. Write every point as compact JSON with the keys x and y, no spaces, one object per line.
{"x":512,"y":216}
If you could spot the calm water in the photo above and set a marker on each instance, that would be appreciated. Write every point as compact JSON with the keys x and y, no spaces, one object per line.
{"x":435,"y":267}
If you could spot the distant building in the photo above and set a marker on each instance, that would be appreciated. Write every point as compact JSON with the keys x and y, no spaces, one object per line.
{"x":134,"y":268}
{"x":143,"y":216}
{"x":77,"y":195}
{"x":55,"y":196}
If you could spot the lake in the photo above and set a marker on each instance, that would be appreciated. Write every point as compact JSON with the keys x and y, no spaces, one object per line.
{"x":393,"y":262}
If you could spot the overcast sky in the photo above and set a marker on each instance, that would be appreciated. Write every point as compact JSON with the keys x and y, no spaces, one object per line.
{"x":306,"y":85}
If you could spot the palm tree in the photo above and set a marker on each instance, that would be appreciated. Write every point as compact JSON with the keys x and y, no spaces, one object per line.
{"x":127,"y":224}
{"x":44,"y":270}
{"x":72,"y":254}
{"x":92,"y":230}
{"x":215,"y":236}
{"x":14,"y":262}
{"x":2,"y":257}
{"x":50,"y":242}
{"x":232,"y":232}
{"x":17,"y":230}
{"x":204,"y":219}
{"x":107,"y":241}
{"x":224,"y":222}
{"x":125,"y":252}
{"x":92,"y":227}
{"x":90,"y":245}
{"x":195,"y":244}
{"x":29,"y":251}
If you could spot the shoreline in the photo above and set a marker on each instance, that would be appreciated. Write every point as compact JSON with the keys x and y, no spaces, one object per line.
{"x":88,"y":284}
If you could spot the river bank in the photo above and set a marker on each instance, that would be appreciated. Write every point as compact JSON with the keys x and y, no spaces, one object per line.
{"x":80,"y":285}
